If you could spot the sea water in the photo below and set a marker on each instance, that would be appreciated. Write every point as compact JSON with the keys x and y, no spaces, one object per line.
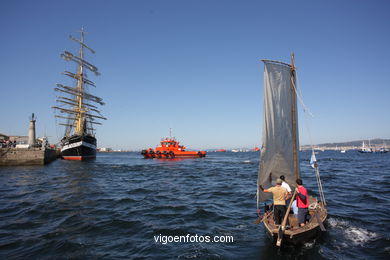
{"x":121,"y":206}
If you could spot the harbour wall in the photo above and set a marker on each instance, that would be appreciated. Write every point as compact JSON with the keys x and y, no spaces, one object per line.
{"x":31,"y":156}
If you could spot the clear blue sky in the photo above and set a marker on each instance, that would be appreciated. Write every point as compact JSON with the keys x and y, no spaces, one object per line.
{"x":194,"y":66}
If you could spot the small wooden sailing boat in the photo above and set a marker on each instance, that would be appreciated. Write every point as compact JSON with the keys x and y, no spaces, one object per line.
{"x":79,"y":107}
{"x":280,"y":155}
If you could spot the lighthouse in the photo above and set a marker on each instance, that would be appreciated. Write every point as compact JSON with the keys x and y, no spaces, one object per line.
{"x":31,"y":131}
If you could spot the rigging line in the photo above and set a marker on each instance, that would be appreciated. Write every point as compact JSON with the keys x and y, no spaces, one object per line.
{"x":306,"y":110}
{"x":300,"y":97}
{"x":320,"y":186}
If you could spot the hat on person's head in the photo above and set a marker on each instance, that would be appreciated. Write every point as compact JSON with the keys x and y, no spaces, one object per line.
{"x":278,"y":181}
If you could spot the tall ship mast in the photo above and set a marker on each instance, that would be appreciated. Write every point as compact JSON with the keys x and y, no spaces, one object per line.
{"x":77,"y":108}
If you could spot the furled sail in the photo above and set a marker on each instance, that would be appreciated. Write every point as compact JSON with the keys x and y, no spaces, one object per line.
{"x":79,"y":106}
{"x":280,"y":145}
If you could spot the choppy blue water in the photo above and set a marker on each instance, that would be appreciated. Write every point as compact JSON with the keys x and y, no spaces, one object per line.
{"x":112,"y":208}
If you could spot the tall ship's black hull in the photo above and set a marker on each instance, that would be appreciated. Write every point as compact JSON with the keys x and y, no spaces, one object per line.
{"x":79,"y":148}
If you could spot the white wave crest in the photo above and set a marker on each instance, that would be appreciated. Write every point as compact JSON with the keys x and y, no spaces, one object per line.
{"x":360,"y":236}
{"x":357,"y":235}
{"x":334,"y":223}
{"x":309,"y":245}
{"x":241,"y":226}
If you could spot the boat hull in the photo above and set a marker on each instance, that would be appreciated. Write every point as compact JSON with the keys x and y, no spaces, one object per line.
{"x":79,"y":148}
{"x":172,"y":154}
{"x":295,"y":235}
{"x":297,"y":239}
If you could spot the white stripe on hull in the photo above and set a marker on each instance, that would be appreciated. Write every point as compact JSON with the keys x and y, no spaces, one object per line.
{"x":81,"y":143}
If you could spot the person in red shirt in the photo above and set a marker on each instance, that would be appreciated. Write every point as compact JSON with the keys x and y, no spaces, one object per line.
{"x":302,"y":202}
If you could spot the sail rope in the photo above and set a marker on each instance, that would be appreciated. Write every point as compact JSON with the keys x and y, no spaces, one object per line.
{"x":313,"y":160}
{"x":322,"y":196}
{"x":300,"y":97}
{"x":313,"y":163}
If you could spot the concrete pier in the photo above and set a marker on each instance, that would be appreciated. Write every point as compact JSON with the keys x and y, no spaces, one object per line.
{"x":31,"y":156}
{"x":33,"y":153}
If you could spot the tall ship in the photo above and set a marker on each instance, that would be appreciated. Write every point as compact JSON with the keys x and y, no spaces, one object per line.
{"x":77,"y":108}
{"x":280,"y":156}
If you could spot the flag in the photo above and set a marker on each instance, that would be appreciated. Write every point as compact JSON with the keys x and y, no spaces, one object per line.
{"x":313,"y":160}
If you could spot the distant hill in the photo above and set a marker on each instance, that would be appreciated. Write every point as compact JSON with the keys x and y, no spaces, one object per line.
{"x":377,"y":141}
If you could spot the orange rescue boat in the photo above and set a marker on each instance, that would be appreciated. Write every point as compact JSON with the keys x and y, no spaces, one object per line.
{"x":169,"y":148}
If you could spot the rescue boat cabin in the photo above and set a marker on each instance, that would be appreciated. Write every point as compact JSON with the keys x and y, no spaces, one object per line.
{"x":170,"y":144}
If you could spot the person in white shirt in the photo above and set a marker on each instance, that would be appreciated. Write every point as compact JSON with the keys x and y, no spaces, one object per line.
{"x":287,"y":187}
{"x":295,"y":208}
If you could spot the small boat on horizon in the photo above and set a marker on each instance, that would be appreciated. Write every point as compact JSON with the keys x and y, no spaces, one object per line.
{"x":365,"y":149}
{"x":170,"y":148}
{"x":382,"y":149}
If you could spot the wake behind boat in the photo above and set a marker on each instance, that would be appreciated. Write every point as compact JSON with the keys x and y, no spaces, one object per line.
{"x":280,"y":155}
{"x":78,"y":108}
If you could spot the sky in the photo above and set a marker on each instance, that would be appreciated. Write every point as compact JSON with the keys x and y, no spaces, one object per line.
{"x":194,"y":67}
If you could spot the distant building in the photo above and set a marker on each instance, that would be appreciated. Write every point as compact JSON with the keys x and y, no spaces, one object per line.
{"x":19,"y":139}
{"x":104,"y":149}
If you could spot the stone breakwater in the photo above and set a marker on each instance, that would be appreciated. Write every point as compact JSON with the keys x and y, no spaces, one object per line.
{"x":31,"y":156}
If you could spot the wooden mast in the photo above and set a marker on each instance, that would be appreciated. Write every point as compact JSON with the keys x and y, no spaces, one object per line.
{"x":282,"y":228}
{"x":294,"y":119}
{"x":80,"y":86}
